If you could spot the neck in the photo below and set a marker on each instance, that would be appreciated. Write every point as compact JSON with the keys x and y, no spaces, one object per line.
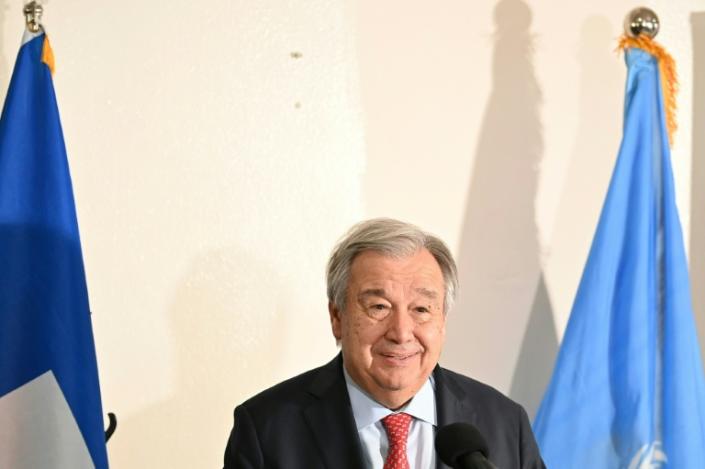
{"x":391,"y":399}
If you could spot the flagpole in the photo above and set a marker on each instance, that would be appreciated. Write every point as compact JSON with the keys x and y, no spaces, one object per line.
{"x":642,"y":21}
{"x":33,"y":12}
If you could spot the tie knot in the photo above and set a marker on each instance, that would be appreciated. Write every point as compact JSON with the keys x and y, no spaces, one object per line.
{"x":397,"y":426}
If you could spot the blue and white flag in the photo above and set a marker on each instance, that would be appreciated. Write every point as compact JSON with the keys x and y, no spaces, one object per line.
{"x":50,"y":409}
{"x":628,"y":389}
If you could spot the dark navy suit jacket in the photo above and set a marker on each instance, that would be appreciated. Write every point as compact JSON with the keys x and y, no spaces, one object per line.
{"x":307,"y":422}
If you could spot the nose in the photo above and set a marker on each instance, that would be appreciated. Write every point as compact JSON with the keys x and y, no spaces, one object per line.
{"x":400,"y":327}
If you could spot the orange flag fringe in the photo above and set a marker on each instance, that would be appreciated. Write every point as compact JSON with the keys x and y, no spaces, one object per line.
{"x":669,"y":78}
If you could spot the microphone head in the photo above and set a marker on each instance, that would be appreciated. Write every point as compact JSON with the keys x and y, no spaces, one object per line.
{"x":457,"y":440}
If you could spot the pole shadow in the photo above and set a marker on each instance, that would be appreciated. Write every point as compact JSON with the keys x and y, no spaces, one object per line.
{"x":697,"y":174}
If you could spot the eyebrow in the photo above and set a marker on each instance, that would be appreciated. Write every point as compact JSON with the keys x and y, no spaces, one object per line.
{"x":431,"y":294}
{"x":371,"y":292}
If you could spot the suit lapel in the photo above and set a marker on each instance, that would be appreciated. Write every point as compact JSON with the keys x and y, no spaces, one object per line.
{"x":341,"y":449}
{"x":451,"y":404}
{"x":331,"y":419}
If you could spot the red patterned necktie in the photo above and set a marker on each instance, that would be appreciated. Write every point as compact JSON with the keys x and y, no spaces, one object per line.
{"x":397,"y":426}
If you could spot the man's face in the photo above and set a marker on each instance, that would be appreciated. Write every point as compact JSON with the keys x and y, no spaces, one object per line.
{"x":393,"y":326}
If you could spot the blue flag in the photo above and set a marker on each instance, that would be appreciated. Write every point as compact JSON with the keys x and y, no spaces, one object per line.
{"x":50,"y":409}
{"x":628,"y":389}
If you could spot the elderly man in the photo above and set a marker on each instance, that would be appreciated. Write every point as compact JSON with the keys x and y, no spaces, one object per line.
{"x":379,"y":403}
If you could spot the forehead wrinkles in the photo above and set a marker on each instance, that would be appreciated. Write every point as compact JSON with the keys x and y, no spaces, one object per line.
{"x":428,"y":294}
{"x":383,"y":273}
{"x":418,"y":274}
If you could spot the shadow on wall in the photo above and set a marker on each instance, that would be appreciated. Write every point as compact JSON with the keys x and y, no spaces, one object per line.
{"x":227,"y":343}
{"x":586,"y":182}
{"x":697,"y":204}
{"x":502,"y":287}
{"x":595,"y":149}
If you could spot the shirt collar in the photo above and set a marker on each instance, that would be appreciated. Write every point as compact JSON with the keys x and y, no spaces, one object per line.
{"x":367,"y":411}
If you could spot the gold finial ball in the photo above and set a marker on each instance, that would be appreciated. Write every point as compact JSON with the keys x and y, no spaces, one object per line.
{"x":641,"y":20}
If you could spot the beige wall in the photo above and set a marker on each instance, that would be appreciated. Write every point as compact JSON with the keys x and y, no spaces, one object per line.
{"x":219,"y":149}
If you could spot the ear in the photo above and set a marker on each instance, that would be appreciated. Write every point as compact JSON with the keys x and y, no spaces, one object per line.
{"x":335,"y":325}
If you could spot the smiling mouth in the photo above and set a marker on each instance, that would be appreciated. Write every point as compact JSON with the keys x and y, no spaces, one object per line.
{"x":398,"y":357}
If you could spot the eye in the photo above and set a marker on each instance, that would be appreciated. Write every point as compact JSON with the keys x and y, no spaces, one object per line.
{"x":378,"y":310}
{"x":422,"y":309}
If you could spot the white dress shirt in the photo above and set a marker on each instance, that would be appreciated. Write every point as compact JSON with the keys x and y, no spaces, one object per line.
{"x":369,"y":413}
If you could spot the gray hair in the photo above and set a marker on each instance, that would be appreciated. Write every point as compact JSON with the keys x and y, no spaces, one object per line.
{"x":391,"y":237}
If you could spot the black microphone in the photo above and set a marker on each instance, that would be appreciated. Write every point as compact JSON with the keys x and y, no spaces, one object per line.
{"x":462,"y":446}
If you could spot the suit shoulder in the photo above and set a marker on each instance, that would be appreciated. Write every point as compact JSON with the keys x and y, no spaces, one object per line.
{"x":480,"y":392}
{"x":286,"y":392}
{"x":503,"y":422}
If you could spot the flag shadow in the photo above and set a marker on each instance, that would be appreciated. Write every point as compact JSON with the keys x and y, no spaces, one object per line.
{"x":498,"y":258}
{"x":587,"y":177}
{"x":537,"y":354}
{"x":227,"y":344}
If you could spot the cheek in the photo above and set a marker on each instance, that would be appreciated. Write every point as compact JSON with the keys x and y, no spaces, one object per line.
{"x":433,"y":336}
{"x":352,"y":327}
{"x":364,"y":332}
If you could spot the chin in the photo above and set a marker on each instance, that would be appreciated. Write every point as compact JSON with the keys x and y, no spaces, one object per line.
{"x":395,"y":383}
